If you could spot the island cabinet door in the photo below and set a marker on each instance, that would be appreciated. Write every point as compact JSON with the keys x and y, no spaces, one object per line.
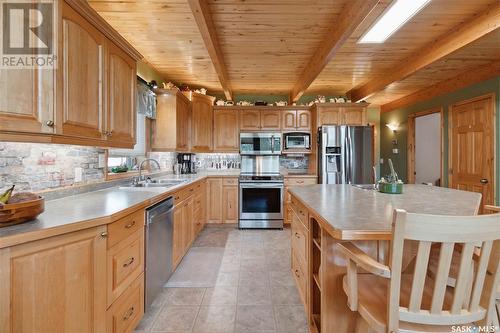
{"x":56,"y":284}
{"x":81,"y":77}
{"x":121,"y":113}
{"x":226,"y":131}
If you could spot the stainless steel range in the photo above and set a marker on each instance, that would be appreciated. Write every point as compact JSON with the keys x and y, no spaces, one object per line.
{"x":261,"y":185}
{"x":261,"y":201}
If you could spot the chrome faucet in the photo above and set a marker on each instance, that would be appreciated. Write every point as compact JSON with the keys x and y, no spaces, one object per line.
{"x":141,"y":177}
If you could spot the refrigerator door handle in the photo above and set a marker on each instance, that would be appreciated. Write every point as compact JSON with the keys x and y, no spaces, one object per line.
{"x":345,"y":156}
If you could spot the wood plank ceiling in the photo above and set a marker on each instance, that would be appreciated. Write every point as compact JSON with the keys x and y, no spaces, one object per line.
{"x":265,"y":46}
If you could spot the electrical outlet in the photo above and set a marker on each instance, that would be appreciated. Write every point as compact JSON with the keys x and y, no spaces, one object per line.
{"x":395,"y":151}
{"x":101,"y":161}
{"x":78,"y":175}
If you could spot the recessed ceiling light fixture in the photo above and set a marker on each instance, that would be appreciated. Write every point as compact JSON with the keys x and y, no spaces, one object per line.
{"x":400,"y":12}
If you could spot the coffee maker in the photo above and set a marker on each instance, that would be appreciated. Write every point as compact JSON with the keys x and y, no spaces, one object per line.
{"x":187,"y":163}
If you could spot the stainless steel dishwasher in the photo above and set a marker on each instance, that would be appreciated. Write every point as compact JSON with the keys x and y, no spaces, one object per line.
{"x":159,"y":243}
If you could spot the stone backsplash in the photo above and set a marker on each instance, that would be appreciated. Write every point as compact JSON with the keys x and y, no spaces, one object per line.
{"x":35,"y":167}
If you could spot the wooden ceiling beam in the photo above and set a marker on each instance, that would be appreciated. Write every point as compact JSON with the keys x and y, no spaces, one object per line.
{"x":460,"y":81}
{"x":352,"y":16}
{"x":201,"y":12}
{"x":460,"y":36}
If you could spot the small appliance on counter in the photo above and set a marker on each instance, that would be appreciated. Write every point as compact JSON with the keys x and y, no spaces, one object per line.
{"x":186,"y":163}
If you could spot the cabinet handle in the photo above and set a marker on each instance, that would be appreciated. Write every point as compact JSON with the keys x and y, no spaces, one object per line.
{"x":484,"y":181}
{"x":301,"y":212}
{"x":300,"y":182}
{"x":130,"y":225}
{"x":297,"y":273}
{"x":129,"y":313}
{"x":297,"y":235}
{"x":191,"y":189}
{"x":129,"y":262}
{"x":104,"y":234}
{"x":50,"y":123}
{"x":177,"y":198}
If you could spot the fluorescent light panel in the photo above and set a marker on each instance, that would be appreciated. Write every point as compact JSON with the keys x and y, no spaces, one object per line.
{"x":394,"y":18}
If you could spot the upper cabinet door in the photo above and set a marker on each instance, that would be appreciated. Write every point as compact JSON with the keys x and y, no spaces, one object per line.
{"x":270,"y":120}
{"x":289,"y":120}
{"x":250,"y":120}
{"x":26,"y":100}
{"x":226,"y":131}
{"x":183,"y":109}
{"x":330,"y":116}
{"x":121,"y":115}
{"x":304,"y":120}
{"x":202,"y":119}
{"x":354,"y":116}
{"x":81,"y":74}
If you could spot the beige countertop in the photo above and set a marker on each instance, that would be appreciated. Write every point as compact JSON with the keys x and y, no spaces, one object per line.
{"x":95,"y":208}
{"x":348,"y":212}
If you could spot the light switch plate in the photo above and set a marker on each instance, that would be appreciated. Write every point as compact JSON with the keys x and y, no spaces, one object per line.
{"x":395,"y":151}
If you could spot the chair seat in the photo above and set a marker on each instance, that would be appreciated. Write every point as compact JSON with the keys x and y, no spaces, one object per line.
{"x":372,"y":303}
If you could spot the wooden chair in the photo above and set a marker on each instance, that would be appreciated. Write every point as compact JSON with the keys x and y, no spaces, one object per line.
{"x":495,"y":253}
{"x":391,"y":301}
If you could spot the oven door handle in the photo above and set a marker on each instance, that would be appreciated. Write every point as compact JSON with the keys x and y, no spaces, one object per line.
{"x":261,"y":185}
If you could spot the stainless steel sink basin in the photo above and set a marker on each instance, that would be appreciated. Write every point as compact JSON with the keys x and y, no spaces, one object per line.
{"x":365,"y":186}
{"x":154,"y":183}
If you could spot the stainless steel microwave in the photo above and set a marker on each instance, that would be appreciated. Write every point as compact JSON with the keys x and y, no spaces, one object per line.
{"x":297,"y":140}
{"x":260,"y":143}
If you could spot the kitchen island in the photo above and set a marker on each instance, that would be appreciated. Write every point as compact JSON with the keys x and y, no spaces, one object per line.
{"x":324,"y":215}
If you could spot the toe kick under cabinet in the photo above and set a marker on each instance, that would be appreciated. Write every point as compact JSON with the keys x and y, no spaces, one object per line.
{"x":91,"y":280}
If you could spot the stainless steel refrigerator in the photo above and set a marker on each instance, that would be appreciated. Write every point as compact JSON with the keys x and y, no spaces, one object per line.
{"x":346,"y":155}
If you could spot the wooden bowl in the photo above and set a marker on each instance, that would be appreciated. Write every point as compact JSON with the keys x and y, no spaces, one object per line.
{"x":11,"y":214}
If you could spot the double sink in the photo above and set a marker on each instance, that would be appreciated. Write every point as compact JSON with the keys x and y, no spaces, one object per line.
{"x":162,"y":183}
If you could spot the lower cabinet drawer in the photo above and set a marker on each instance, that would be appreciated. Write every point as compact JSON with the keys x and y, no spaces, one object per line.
{"x":127,"y":311}
{"x":299,"y":209}
{"x":299,"y":272}
{"x":125,"y":263}
{"x":299,"y":238}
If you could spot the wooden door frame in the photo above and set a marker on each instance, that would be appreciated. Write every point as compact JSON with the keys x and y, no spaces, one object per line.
{"x":492,"y":98}
{"x":410,"y":145}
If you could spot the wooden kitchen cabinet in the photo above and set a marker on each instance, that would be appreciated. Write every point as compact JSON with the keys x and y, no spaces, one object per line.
{"x":201,"y":122}
{"x":289,"y":120}
{"x":81,"y":76}
{"x":226,"y":130}
{"x":250,"y":120}
{"x":121,"y":112}
{"x":89,"y":99}
{"x":354,"y":116}
{"x":270,"y":120}
{"x":230,"y":203}
{"x":214,"y":200}
{"x":126,"y":313}
{"x":256,"y":120}
{"x":177,"y":248}
{"x":171,"y":128}
{"x":303,"y":120}
{"x":296,"y":120}
{"x":57,"y":284}
{"x":26,"y":101}
{"x":340,"y":113}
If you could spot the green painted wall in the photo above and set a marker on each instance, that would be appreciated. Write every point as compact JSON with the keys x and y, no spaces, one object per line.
{"x":148,"y":73}
{"x":400,"y":116}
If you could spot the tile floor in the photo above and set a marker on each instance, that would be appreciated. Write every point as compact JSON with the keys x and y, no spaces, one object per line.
{"x":253,"y":292}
